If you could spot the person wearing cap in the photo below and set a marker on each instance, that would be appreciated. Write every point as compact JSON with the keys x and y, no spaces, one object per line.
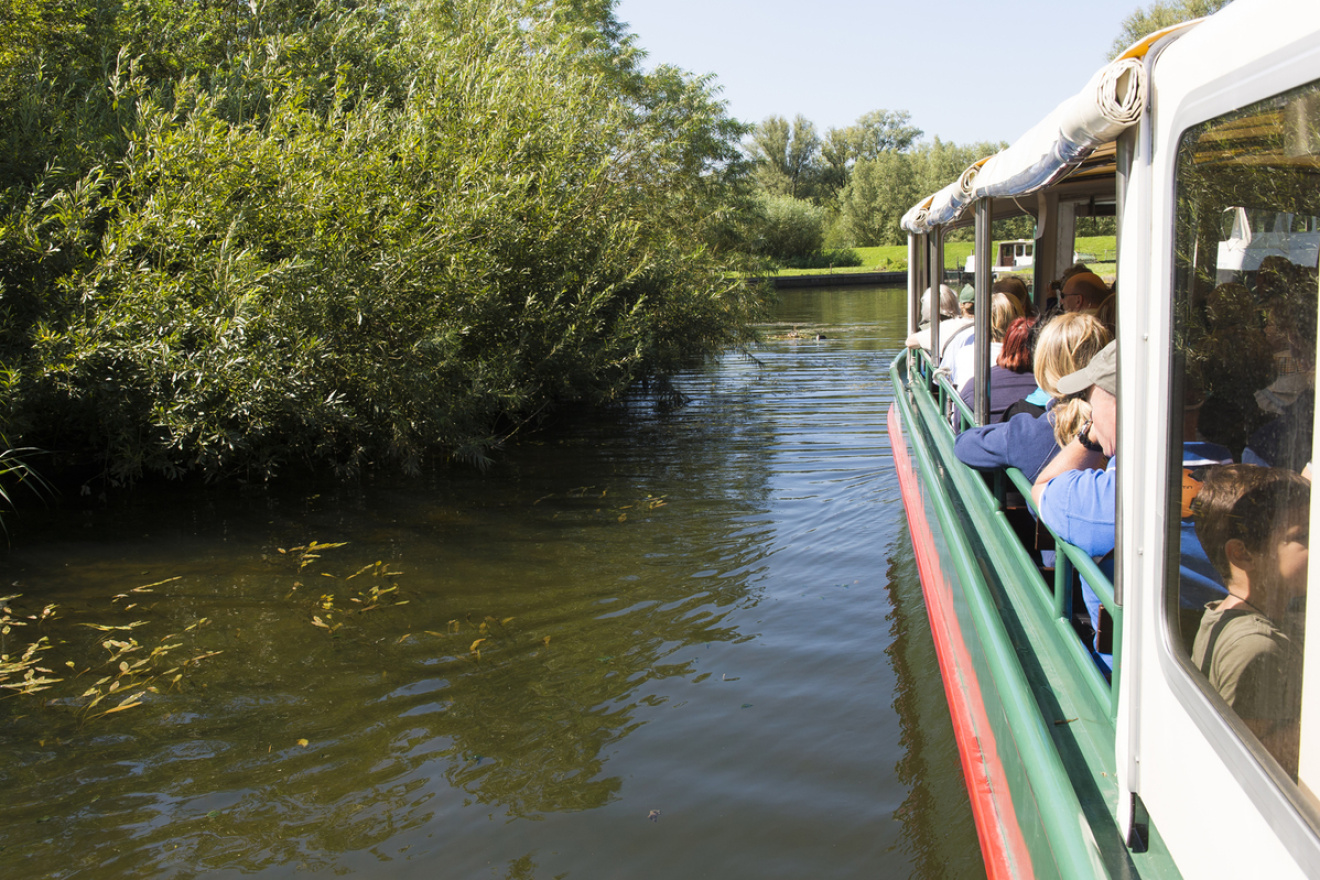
{"x":965,"y":336}
{"x":1076,"y":492}
{"x":967,"y":301}
{"x":1083,"y":292}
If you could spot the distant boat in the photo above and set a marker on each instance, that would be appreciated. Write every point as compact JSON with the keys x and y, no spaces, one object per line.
{"x":1018,"y":255}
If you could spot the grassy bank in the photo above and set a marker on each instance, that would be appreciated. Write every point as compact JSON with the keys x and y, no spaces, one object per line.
{"x":893,"y":258}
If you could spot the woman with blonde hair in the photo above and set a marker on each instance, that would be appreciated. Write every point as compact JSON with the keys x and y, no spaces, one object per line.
{"x":1066,"y":345}
{"x":1024,"y":441}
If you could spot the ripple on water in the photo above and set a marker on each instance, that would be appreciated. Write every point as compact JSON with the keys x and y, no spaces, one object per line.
{"x":657,"y":644}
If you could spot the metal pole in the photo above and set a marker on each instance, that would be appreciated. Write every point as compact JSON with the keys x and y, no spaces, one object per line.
{"x":934,"y":276}
{"x":915,"y":272}
{"x":982,"y":243}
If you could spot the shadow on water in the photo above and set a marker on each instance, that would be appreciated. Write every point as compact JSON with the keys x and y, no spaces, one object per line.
{"x":649,"y":645}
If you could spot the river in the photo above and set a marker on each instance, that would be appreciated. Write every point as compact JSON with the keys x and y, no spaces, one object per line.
{"x":658,"y":643}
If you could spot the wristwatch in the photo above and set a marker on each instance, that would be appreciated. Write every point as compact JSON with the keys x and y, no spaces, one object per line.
{"x":1087,"y":441}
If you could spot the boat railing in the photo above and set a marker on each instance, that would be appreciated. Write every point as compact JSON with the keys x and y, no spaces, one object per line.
{"x":1068,"y":558}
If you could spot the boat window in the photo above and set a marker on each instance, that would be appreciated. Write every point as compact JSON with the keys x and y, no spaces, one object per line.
{"x":1244,"y":354}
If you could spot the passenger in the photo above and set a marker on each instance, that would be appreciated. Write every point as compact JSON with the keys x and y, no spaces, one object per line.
{"x":1289,"y":401}
{"x":1273,"y":276}
{"x":1052,"y":366}
{"x":1024,"y":441}
{"x":1003,"y":310}
{"x":1072,"y":270}
{"x":950,"y":323}
{"x":1235,"y":358}
{"x":1083,"y":292}
{"x":1254,"y":524}
{"x":1075,"y":493}
{"x":1052,"y":302}
{"x":967,"y":301}
{"x":1016,"y":288}
{"x":1108,"y":313}
{"x":1011,"y":378}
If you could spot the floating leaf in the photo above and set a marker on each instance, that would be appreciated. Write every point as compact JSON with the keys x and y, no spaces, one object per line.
{"x":129,"y":703}
{"x":303,"y":743}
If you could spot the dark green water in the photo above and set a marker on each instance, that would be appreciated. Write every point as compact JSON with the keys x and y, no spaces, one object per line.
{"x":702,"y":654}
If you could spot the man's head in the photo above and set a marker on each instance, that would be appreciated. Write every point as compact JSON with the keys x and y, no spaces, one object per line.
{"x":948,"y":303}
{"x":1083,"y":290}
{"x":1253,"y":524}
{"x":967,"y":299}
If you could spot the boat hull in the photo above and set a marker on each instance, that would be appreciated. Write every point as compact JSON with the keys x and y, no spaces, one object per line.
{"x":1002,"y":845}
{"x":1033,"y":717}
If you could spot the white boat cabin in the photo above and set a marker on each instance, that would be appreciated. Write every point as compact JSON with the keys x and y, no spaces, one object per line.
{"x":1010,"y":256}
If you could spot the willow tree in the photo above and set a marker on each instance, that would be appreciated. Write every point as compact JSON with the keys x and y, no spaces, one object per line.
{"x":329,"y":233}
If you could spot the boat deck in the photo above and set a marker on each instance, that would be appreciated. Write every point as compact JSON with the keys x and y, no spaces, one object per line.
{"x":1037,"y":727}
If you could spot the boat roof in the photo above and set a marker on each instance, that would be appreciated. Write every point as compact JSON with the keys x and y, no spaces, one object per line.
{"x":1074,"y":144}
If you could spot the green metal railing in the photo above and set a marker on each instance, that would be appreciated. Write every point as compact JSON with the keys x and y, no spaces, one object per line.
{"x":1069,"y":559}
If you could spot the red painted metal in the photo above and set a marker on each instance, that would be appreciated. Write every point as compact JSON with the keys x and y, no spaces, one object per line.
{"x":1003,"y":848}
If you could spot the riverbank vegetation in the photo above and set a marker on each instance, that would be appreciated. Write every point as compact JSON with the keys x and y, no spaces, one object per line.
{"x":236,"y":239}
{"x":847,"y":189}
{"x":854,"y":184}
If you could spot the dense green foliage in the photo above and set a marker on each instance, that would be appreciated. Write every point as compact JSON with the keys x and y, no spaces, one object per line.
{"x":858,"y":180}
{"x":791,"y":227}
{"x":323,"y":232}
{"x":866,"y":176}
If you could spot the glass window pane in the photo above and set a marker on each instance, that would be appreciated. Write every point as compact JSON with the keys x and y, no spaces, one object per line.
{"x":1244,"y":308}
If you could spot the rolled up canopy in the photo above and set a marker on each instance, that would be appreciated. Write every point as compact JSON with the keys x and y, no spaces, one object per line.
{"x":1112,"y":101}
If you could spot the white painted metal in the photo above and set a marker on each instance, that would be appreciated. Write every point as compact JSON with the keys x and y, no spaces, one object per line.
{"x":1309,"y":763}
{"x":1220,"y":810}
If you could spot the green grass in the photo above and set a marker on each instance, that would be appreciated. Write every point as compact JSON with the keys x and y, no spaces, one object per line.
{"x":893,"y":258}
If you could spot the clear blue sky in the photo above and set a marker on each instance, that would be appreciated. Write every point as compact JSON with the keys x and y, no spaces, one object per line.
{"x":967,"y":70}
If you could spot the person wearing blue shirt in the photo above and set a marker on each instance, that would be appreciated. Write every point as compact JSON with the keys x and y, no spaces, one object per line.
{"x":1075,"y":493}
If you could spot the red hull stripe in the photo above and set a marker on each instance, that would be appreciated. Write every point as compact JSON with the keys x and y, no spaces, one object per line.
{"x":1002,"y":846}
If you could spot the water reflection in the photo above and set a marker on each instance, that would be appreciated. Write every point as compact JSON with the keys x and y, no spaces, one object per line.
{"x":649,"y":646}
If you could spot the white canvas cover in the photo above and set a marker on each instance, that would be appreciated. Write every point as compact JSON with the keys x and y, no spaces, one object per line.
{"x":1112,"y":101}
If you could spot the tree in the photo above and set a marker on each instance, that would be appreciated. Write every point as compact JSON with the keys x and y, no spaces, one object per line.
{"x":786,"y":156}
{"x":1160,"y":15}
{"x":790,"y":228}
{"x":837,"y":153}
{"x":881,"y":190}
{"x":883,"y":131}
{"x":240,"y":237}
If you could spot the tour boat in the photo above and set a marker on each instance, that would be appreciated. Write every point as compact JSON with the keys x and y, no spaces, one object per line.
{"x":1012,"y":256}
{"x":1142,"y":768}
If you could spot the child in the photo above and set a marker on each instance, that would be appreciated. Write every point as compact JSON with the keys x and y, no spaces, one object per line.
{"x":1253,"y":524}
